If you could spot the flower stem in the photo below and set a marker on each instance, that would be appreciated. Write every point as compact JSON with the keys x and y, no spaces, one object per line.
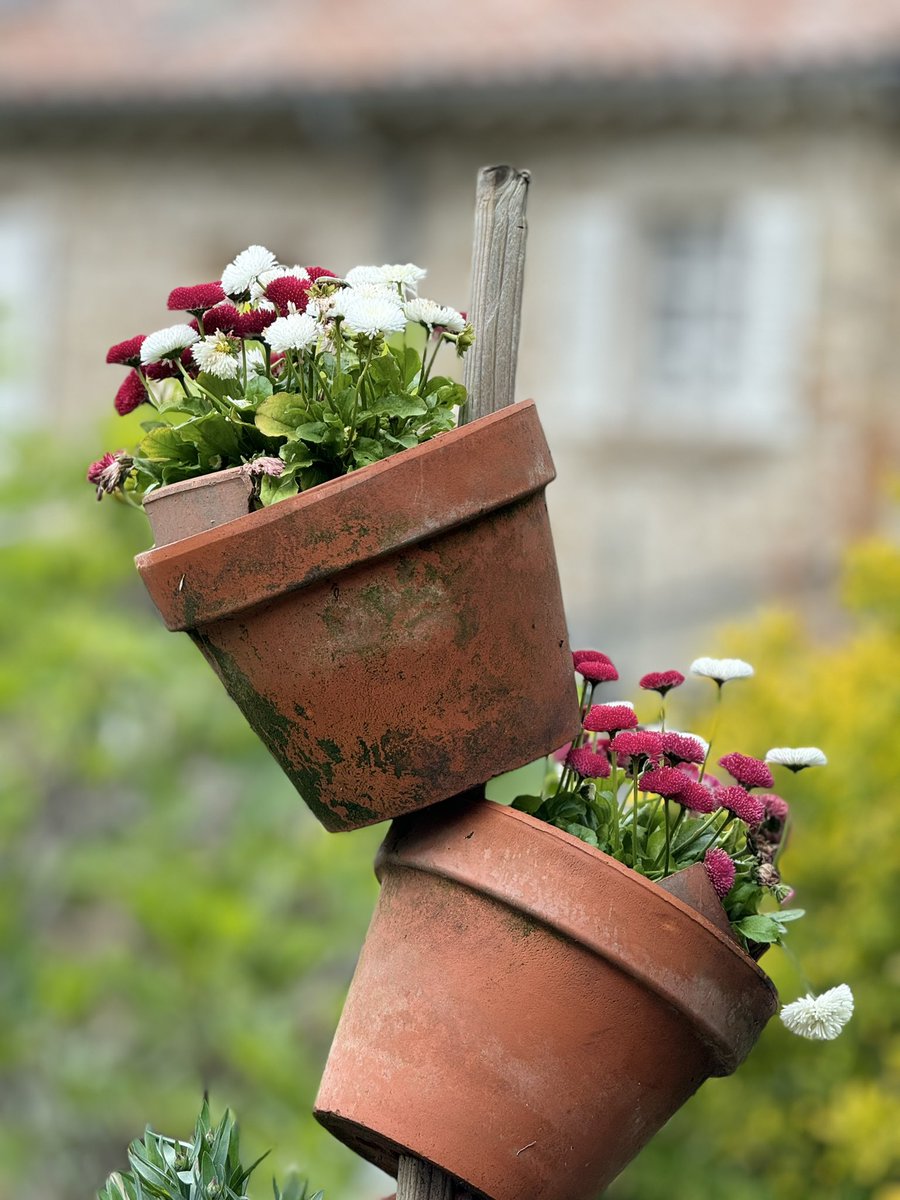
{"x":713,"y":731}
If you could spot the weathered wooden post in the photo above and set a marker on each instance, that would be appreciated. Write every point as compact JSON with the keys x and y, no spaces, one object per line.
{"x":498,"y":273}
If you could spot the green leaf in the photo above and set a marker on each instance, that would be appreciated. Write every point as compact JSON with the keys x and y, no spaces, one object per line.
{"x":583,"y":833}
{"x":399,"y":406}
{"x":277,"y":487}
{"x":528,"y":804}
{"x":789,"y":914}
{"x":760,"y":928}
{"x":168,"y":442}
{"x":280,"y":414}
{"x":313,"y":431}
{"x":259,"y":388}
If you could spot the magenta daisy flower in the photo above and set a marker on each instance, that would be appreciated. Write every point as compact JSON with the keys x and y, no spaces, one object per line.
{"x":252,"y":324}
{"x":776,"y":808}
{"x":127,"y":353}
{"x":288,"y":289}
{"x":661,"y":681}
{"x":682,"y":747}
{"x":697,"y":798}
{"x":644,"y":743}
{"x":749,"y":772}
{"x":160,"y":370}
{"x":96,"y":469}
{"x":315,"y":273}
{"x":197,"y":298}
{"x":663,"y":781}
{"x":221,"y":319}
{"x":131,"y":394}
{"x":607,"y":718}
{"x":580,"y":656}
{"x":721,"y":870}
{"x":750,"y":809}
{"x":588,"y":763}
{"x":596,"y":671}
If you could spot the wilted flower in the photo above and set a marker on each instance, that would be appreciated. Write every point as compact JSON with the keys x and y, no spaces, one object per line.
{"x":110,"y":472}
{"x":265,"y":465}
{"x":820,"y":1017}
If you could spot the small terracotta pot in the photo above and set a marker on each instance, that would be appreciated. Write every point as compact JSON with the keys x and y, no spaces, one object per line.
{"x":395,"y":636}
{"x":527,"y":1012}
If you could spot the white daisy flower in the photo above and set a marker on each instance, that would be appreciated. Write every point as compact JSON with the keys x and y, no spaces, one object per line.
{"x":215,"y":355}
{"x":256,"y":360}
{"x":322,"y":308}
{"x":245,"y":270}
{"x":429,"y":313}
{"x":407,"y":275}
{"x":167,"y":343}
{"x":795,"y":758}
{"x":371,"y":315}
{"x":359,"y":275}
{"x":721,"y":669}
{"x":298,"y":331}
{"x":820,"y":1017}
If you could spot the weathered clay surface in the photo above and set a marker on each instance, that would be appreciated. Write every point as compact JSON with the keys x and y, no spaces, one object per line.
{"x":527,"y":1012}
{"x":396,"y":636}
{"x":693,"y":886}
{"x":198,"y":504}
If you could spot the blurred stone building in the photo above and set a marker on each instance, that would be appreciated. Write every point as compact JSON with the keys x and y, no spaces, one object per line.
{"x":711,"y":322}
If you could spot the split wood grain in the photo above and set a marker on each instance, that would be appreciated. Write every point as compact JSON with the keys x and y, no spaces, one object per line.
{"x":498,"y":274}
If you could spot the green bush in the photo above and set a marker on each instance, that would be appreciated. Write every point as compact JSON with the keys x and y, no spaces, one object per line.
{"x":171,"y":918}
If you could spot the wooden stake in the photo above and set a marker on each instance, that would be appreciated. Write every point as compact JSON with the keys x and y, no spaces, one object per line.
{"x":498,"y":273}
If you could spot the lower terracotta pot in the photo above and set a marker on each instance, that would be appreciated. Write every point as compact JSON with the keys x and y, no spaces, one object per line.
{"x":395,"y":636}
{"x":527,"y":1012}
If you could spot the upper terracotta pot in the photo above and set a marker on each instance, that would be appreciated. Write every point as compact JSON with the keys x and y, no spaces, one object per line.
{"x":527,"y":1012}
{"x":394,"y":636}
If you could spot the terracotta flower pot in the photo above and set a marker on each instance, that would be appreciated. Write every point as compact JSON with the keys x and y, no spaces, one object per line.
{"x":394,"y":636}
{"x":527,"y":1012}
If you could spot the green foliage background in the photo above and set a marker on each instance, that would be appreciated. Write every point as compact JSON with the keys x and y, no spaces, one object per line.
{"x":171,"y":918}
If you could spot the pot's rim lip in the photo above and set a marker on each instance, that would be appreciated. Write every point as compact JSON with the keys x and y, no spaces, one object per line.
{"x":210,"y":479}
{"x":322,"y":491}
{"x":629,"y":877}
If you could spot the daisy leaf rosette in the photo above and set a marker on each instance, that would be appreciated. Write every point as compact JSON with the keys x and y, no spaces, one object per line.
{"x":327,"y":374}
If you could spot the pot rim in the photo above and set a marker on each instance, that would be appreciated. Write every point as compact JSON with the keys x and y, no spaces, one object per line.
{"x":377,"y":510}
{"x":422,"y":842}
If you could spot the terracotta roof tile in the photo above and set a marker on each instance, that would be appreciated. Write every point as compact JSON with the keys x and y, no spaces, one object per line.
{"x":106,"y":49}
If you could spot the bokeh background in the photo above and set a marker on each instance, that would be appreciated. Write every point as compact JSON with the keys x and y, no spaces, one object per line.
{"x":711,"y":332}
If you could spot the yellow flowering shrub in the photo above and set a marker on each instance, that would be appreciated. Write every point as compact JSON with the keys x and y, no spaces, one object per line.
{"x":804,"y":1118}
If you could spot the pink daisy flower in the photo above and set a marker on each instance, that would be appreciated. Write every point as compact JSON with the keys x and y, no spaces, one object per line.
{"x":681,"y":747}
{"x":745,"y":807}
{"x":131,"y":394}
{"x":288,"y":289}
{"x":252,"y":324}
{"x":127,"y":353}
{"x":697,"y":798}
{"x":750,"y":772}
{"x":607,"y":718}
{"x":197,"y":298}
{"x":596,"y":671}
{"x":721,"y":870}
{"x":580,"y":656}
{"x":644,"y":743}
{"x":221,"y":319}
{"x":776,"y":808}
{"x":588,"y":763}
{"x":663,"y":781}
{"x":661,"y":681}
